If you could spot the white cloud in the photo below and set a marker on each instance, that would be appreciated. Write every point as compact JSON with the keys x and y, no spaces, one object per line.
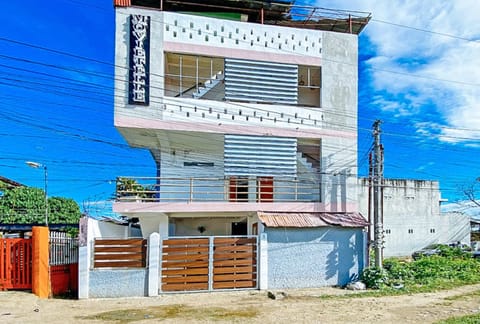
{"x":424,"y":167}
{"x":431,"y":69}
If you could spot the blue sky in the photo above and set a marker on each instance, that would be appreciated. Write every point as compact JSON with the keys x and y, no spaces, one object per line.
{"x":419,"y":72}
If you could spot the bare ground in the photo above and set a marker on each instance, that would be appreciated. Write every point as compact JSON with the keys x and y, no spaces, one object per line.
{"x":300,"y":306}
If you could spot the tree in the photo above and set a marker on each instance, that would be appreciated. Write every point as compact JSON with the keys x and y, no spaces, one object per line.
{"x":26,"y":205}
{"x":63,"y":211}
{"x":470,"y":192}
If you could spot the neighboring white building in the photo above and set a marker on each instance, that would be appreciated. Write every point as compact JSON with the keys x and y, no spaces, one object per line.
{"x":412,"y":218}
{"x":249,"y":110}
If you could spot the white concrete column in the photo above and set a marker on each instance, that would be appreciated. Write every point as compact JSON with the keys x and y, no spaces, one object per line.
{"x":163,"y":225}
{"x":263,"y":262}
{"x":83,"y":272}
{"x":153,"y":263}
{"x":84,"y":257}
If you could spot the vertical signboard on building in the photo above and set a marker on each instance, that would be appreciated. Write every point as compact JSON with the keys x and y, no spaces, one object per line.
{"x":139,"y":77}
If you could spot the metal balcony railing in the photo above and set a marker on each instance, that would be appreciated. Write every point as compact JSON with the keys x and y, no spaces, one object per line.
{"x":152,"y":189}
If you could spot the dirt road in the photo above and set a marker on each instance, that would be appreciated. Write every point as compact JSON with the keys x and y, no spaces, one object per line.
{"x":299,"y":306}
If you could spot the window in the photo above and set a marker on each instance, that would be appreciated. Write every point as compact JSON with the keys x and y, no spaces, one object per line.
{"x":309,"y":84}
{"x":217,"y":78}
{"x":193,"y":76}
{"x":410,"y":231}
{"x":388,"y":231}
{"x":432,"y":230}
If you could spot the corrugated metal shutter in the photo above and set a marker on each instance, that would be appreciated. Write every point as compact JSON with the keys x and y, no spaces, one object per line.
{"x":260,"y":156}
{"x":256,"y":81}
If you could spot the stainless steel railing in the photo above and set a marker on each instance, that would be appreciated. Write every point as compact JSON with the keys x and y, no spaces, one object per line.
{"x":234,"y":189}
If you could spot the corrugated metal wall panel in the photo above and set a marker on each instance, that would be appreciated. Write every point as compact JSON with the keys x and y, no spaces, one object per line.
{"x":256,"y":81}
{"x":260,"y":156}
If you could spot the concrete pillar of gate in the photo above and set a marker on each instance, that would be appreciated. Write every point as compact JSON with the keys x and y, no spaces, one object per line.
{"x":85,"y":242}
{"x":40,"y":262}
{"x":263,"y":251}
{"x":153,"y":264}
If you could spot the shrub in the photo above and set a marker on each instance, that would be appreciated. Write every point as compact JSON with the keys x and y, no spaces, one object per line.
{"x":399,"y":272}
{"x":454,"y":252}
{"x":429,"y":272}
{"x":375,"y":278}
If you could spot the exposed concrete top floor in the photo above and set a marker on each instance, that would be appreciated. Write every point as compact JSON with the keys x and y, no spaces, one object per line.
{"x":279,"y":12}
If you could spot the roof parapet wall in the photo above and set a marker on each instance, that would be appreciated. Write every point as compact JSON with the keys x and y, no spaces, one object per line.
{"x":280,"y":12}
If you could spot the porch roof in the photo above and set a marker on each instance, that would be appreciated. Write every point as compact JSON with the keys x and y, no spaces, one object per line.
{"x":312,"y":219}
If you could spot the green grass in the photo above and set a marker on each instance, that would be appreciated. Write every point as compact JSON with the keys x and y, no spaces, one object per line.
{"x":431,"y":273}
{"x":177,"y":312}
{"x":409,"y":289}
{"x":428,"y":274}
{"x":467,"y":319}
{"x":473,"y":294}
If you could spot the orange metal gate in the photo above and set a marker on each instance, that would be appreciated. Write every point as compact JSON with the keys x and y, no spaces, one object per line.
{"x":209,"y":263}
{"x":15,"y":263}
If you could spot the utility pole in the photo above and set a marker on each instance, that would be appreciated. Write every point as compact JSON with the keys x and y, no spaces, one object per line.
{"x":370,"y":204}
{"x":37,"y":165}
{"x":377,"y":195}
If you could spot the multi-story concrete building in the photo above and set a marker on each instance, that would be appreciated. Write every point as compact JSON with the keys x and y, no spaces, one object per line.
{"x":249,"y":110}
{"x":412,"y":216}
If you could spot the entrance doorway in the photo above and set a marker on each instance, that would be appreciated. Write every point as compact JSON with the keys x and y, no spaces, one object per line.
{"x":239,"y":228}
{"x":238,"y":189}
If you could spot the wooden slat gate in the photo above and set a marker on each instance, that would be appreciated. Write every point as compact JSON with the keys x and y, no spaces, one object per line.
{"x":209,"y":263}
{"x":120,"y":253}
{"x":15,"y":263}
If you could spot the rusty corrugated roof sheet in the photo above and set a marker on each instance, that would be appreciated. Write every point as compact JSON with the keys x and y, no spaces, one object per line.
{"x":324,"y":219}
{"x":10,"y":183}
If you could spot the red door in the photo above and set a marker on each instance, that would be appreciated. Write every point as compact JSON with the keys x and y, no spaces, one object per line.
{"x":265,"y":189}
{"x":233,"y":189}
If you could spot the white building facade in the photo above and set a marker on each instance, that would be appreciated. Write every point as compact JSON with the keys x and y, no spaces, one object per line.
{"x":248,"y":121}
{"x":412,"y":216}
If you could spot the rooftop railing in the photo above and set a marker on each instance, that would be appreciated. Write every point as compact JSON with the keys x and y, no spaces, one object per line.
{"x":145,"y":189}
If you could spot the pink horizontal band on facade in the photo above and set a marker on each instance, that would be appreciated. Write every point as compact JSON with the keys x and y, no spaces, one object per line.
{"x":135,"y":122}
{"x":226,"y":207}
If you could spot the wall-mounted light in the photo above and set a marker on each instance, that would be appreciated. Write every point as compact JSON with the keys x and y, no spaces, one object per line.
{"x":201,"y":229}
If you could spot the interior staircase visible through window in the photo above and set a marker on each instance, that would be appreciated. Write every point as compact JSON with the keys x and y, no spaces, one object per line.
{"x":208,"y":85}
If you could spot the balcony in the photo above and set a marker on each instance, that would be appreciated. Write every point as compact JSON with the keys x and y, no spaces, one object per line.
{"x":230,"y":189}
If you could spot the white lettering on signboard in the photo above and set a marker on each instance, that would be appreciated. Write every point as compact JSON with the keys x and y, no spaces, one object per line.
{"x":139,"y":60}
